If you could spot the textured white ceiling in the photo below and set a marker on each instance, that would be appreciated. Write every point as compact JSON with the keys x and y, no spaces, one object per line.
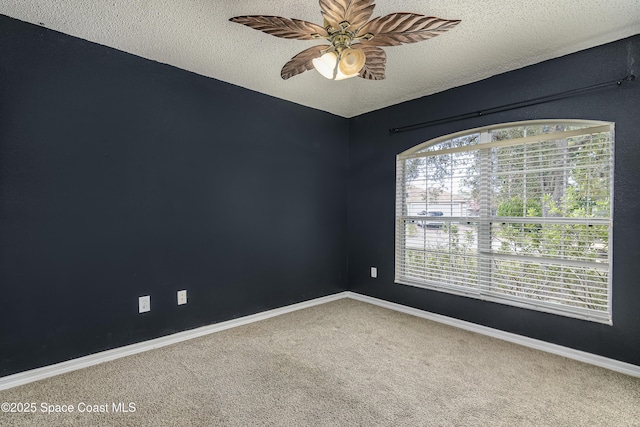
{"x":494,"y":36}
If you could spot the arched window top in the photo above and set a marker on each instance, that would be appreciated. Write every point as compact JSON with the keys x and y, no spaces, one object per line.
{"x":504,"y":131}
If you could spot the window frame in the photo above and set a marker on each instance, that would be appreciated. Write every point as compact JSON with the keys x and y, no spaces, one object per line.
{"x":485,"y":145}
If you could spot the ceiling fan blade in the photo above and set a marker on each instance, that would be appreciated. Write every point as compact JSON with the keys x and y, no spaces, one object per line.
{"x":356,"y":12}
{"x":281,"y":27}
{"x":302,"y":61}
{"x":333,"y":11}
{"x":375,"y":64}
{"x":398,"y":28}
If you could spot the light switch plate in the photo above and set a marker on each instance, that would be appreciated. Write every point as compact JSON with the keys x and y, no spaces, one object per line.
{"x":374,"y":272}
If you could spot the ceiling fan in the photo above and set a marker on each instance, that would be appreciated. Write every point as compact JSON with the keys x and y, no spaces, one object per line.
{"x":354,"y":40}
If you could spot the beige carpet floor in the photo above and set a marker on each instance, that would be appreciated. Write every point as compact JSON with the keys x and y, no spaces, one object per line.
{"x":344,"y":363}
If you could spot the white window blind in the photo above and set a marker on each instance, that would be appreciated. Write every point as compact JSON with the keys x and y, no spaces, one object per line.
{"x":519,"y":214}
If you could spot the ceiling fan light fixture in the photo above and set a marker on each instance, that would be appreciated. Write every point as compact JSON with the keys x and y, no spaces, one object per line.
{"x":346,"y":66}
{"x":352,"y":61}
{"x":326,"y":65}
{"x":341,"y":76}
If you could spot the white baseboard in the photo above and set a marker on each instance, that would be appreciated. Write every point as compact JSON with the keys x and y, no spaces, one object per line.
{"x":108,"y":355}
{"x":116,"y":353}
{"x":582,"y":356}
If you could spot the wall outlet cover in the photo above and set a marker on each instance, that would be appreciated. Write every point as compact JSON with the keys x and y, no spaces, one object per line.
{"x":144,"y":304}
{"x":182,"y":297}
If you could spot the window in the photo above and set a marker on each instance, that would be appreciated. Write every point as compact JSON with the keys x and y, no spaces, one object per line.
{"x":519,"y":213}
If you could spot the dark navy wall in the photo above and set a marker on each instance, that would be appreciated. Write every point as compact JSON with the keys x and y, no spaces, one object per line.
{"x":122,"y":177}
{"x":372,"y":190}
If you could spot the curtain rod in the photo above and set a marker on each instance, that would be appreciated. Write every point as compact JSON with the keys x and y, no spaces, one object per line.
{"x":515,"y":105}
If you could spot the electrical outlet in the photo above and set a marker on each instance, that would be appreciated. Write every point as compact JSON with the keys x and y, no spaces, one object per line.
{"x":144,"y":304}
{"x":374,"y":272}
{"x":182,"y":297}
